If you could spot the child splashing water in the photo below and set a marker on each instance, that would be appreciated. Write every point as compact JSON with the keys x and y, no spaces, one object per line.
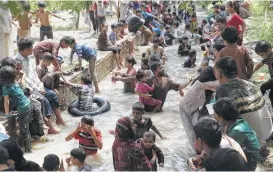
{"x":144,"y":89}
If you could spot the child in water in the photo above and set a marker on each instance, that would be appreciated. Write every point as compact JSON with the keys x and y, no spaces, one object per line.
{"x":84,"y":91}
{"x":184,"y":46}
{"x":90,"y":139}
{"x":151,"y":150}
{"x":142,"y":123}
{"x":23,"y":104}
{"x":144,"y":88}
{"x":190,"y":61}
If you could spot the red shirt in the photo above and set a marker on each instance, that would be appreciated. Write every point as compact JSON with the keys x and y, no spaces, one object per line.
{"x":87,"y":143}
{"x":236,"y":21}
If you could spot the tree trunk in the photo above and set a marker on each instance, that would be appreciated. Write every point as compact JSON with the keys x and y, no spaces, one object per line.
{"x":78,"y":20}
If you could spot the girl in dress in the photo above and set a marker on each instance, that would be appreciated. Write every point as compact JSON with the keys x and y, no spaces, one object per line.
{"x":145,"y":89}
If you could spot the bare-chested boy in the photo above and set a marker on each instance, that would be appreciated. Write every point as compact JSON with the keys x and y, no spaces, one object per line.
{"x":43,"y":16}
{"x":24,"y":21}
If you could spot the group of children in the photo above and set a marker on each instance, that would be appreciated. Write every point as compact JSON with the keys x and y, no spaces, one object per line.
{"x":164,"y":26}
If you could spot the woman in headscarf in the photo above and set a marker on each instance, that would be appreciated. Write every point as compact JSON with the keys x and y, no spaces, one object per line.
{"x":128,"y":155}
{"x":16,"y":157}
{"x":199,"y":94}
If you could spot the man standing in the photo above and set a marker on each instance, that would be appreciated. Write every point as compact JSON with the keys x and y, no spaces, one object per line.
{"x":43,"y":16}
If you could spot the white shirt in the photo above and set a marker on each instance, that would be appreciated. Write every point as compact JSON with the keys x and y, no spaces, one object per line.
{"x":31,"y":76}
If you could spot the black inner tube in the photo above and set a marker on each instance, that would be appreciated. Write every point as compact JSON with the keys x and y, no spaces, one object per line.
{"x":104,"y":106}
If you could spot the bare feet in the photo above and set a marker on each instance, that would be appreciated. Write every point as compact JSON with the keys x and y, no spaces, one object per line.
{"x":60,"y":122}
{"x":53,"y":131}
{"x":97,"y":90}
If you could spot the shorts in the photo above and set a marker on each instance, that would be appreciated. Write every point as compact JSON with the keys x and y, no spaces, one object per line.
{"x":53,"y":99}
{"x":46,"y":31}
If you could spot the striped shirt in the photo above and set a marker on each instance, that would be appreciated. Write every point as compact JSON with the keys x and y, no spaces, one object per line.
{"x":269,"y":63}
{"x":87,"y":143}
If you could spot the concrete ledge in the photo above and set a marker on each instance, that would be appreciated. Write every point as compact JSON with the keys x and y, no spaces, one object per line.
{"x":104,"y":65}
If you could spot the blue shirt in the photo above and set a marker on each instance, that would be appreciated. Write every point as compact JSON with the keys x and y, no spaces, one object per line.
{"x":147,"y":15}
{"x":112,"y":37}
{"x":84,"y":52}
{"x":21,"y":101}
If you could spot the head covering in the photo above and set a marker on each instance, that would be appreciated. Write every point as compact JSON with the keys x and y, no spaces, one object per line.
{"x":124,"y":129}
{"x":128,"y":155}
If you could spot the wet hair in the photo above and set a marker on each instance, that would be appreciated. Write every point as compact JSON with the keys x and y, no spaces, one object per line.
{"x":176,"y":24}
{"x":145,"y":61}
{"x":47,"y":57}
{"x":78,"y":154}
{"x":192,"y":53}
{"x":225,"y":108}
{"x":26,"y":6}
{"x":41,"y":4}
{"x":7,"y":75}
{"x":51,"y":81}
{"x":174,"y":13}
{"x":131,"y":60}
{"x":113,"y":26}
{"x":204,"y":21}
{"x":227,"y":66}
{"x":8,"y":61}
{"x":185,"y":38}
{"x":51,"y":162}
{"x":143,"y":55}
{"x":230,"y":34}
{"x":262,"y":46}
{"x":140,"y":74}
{"x":223,"y":8}
{"x":87,"y":119}
{"x":138,"y":106}
{"x":209,"y":131}
{"x":86,"y":79}
{"x":68,"y":40}
{"x":235,"y":5}
{"x":188,"y":26}
{"x":4,"y":155}
{"x":150,"y":134}
{"x":219,"y":45}
{"x":203,"y":47}
{"x":24,"y":43}
{"x":154,"y":66}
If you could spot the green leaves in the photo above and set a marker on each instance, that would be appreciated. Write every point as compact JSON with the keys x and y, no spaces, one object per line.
{"x":14,"y":6}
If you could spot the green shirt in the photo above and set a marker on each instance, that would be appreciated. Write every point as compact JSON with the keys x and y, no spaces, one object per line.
{"x":21,"y":101}
{"x":242,"y":133}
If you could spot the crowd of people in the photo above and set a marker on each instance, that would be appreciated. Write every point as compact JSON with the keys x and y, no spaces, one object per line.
{"x":231,"y":138}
